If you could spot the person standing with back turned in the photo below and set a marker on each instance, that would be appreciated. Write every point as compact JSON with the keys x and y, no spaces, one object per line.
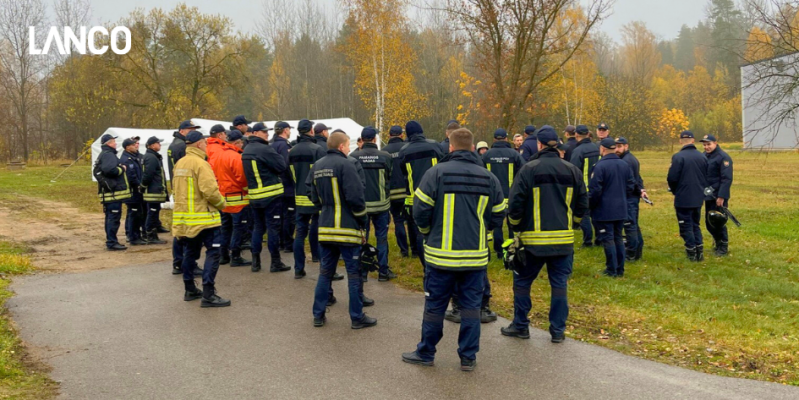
{"x":687,"y":180}
{"x":456,"y":196}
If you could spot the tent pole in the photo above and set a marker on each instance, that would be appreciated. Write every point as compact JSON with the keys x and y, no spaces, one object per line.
{"x":70,"y":165}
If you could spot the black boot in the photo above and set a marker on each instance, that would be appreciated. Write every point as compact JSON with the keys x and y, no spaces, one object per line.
{"x":152,"y":238}
{"x":512,"y":331}
{"x":224,"y":259}
{"x":486,"y":315}
{"x":629,"y":255}
{"x":367,"y":302}
{"x":365,"y":322}
{"x":721,"y":249}
{"x":700,"y":253}
{"x":210,"y":298}
{"x":192,"y":293}
{"x":691,"y":253}
{"x":256,"y":263}
{"x":453,"y":315}
{"x":278,"y":266}
{"x":137,"y":242}
{"x":238,"y":261}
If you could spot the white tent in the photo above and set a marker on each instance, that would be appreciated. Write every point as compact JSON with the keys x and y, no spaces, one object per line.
{"x":349,"y":126}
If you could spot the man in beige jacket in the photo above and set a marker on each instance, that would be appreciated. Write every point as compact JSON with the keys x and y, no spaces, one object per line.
{"x":196,"y":220}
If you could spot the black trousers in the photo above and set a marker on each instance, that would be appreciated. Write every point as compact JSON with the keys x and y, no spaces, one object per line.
{"x":113,"y":215}
{"x":690,"y":231}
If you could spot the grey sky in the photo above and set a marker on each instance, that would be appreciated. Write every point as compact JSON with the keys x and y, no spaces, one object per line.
{"x":664,"y":17}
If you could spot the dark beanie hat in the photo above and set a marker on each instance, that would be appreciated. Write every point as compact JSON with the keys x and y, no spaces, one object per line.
{"x":413,"y":128}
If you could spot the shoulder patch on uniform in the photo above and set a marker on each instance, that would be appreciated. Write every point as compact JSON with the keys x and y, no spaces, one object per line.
{"x":726,"y":163}
{"x":521,"y":151}
{"x":592,"y":175}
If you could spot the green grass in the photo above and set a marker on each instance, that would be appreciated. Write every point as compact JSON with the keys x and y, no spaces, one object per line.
{"x":19,"y":377}
{"x":733,"y":316}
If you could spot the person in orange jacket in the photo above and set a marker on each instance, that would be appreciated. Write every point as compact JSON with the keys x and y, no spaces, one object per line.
{"x":225,"y":159}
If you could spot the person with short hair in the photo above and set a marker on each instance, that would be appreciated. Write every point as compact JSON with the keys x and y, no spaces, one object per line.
{"x":687,"y":179}
{"x":196,"y":219}
{"x":517,"y":142}
{"x":112,"y":189}
{"x":529,"y":145}
{"x":395,"y":144}
{"x":302,"y":157}
{"x":602,"y":131}
{"x":634,"y":242}
{"x":281,"y":145}
{"x":457,"y":203}
{"x":321,"y":132}
{"x":611,"y":181}
{"x":571,"y":141}
{"x":547,"y":196}
{"x":154,"y":191}
{"x":134,"y":218}
{"x":336,"y":188}
{"x":263,"y":167}
{"x":452,"y":125}
{"x":585,"y":156}
{"x":719,"y":180}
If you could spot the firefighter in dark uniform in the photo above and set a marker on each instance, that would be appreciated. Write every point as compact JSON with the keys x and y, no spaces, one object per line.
{"x":112,"y":189}
{"x":154,"y":188}
{"x":336,"y":188}
{"x":584,"y":157}
{"x":263,"y":167}
{"x":281,"y":145}
{"x":687,"y":181}
{"x":134,"y":218}
{"x":377,"y":166}
{"x":452,"y":126}
{"x":530,"y":145}
{"x":395,"y":144}
{"x":321,"y":132}
{"x":610,"y":183}
{"x":571,"y":141}
{"x":176,"y":151}
{"x":418,"y":156}
{"x":632,"y":231}
{"x":456,"y":196}
{"x":719,"y":179}
{"x":546,"y":196}
{"x":302,"y":157}
{"x":504,"y":163}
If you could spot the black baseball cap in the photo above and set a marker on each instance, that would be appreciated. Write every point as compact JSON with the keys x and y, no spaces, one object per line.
{"x":187,"y":125}
{"x":320,"y":127}
{"x":621,"y":140}
{"x":194,"y":137}
{"x":395,"y":130}
{"x":500,"y":133}
{"x":127,"y":142}
{"x":602,"y":127}
{"x":529,"y":129}
{"x":708,"y":138}
{"x":581,"y":129}
{"x":686,"y":135}
{"x":234,"y":135}
{"x":305,"y":125}
{"x":570,"y":129}
{"x":107,"y":137}
{"x":282,"y":125}
{"x":260,"y":126}
{"x":240,"y":120}
{"x":547,"y":135}
{"x":217,"y":129}
{"x":153,"y":140}
{"x":368,"y":133}
{"x":608,"y":143}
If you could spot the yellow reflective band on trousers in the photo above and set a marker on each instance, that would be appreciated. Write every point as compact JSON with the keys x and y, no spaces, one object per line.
{"x":481,"y":209}
{"x":547,"y":237}
{"x":449,"y":221}
{"x":303,"y":201}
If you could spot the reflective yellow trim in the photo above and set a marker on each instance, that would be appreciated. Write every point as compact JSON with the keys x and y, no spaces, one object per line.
{"x":514,"y":221}
{"x":304,"y":201}
{"x":336,"y":203}
{"x":488,"y":166}
{"x":424,"y":197}
{"x":434,"y":161}
{"x":409,"y":199}
{"x":482,"y":203}
{"x":154,"y":197}
{"x":456,"y":263}
{"x":585,"y":173}
{"x":340,"y":239}
{"x":293,"y":174}
{"x":339,"y":231}
{"x":191,"y":193}
{"x":547,"y":237}
{"x":537,"y":208}
{"x":455,"y":253}
{"x":378,"y":206}
{"x":449,"y":220}
{"x":569,"y":193}
{"x":500,"y":207}
{"x":382,"y":186}
{"x":424,"y":230}
{"x":257,"y":174}
{"x":359,"y":213}
{"x":397,"y":194}
{"x":510,"y":175}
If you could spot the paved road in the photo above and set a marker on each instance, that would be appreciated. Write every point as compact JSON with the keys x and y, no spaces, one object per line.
{"x":126,"y":333}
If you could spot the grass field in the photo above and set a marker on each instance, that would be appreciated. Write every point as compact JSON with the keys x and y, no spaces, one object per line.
{"x":733,"y":316}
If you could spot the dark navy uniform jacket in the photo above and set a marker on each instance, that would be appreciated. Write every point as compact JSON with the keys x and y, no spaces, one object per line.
{"x":688,"y":177}
{"x":571,"y":143}
{"x":109,"y":165}
{"x":393,"y":148}
{"x":632,"y":161}
{"x":376,"y":165}
{"x":584,"y":157}
{"x":444,"y":146}
{"x":153,"y":177}
{"x":336,"y":188}
{"x":610,"y":182}
{"x":502,"y":160}
{"x":458,"y":196}
{"x":282,"y":147}
{"x":529,"y":147}
{"x":719,"y":174}
{"x":176,"y":151}
{"x":134,"y":173}
{"x":418,"y":156}
{"x":301,"y":159}
{"x":263,"y":168}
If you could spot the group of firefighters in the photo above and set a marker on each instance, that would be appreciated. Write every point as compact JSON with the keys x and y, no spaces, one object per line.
{"x":241,"y":186}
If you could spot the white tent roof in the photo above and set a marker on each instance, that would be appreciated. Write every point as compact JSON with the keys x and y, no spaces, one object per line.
{"x":352,"y":128}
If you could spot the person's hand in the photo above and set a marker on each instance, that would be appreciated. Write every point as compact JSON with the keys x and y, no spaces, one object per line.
{"x":644,"y":195}
{"x":720,"y":202}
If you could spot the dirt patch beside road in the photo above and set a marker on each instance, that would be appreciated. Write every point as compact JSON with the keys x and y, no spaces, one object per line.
{"x":65,"y":239}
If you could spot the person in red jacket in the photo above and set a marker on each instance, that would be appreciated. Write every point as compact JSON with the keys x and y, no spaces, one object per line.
{"x":216,"y":142}
{"x":225,"y":160}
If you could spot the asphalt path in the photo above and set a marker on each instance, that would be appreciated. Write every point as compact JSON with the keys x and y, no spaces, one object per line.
{"x":127,"y":333}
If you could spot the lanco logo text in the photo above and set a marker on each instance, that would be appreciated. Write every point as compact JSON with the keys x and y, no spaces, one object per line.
{"x":85,"y":40}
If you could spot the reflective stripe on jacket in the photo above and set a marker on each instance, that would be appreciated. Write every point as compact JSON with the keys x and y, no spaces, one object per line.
{"x":108,"y":164}
{"x":458,"y":196}
{"x":547,"y":195}
{"x":504,"y":163}
{"x":376,"y":166}
{"x":584,"y":157}
{"x":197,"y":197}
{"x":262,"y":167}
{"x":229,"y":171}
{"x":153,"y":178}
{"x":416,"y":157}
{"x":301,"y":159}
{"x":337,"y":189}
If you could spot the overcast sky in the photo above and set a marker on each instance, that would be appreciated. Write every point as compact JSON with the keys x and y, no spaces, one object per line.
{"x":664,"y":17}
